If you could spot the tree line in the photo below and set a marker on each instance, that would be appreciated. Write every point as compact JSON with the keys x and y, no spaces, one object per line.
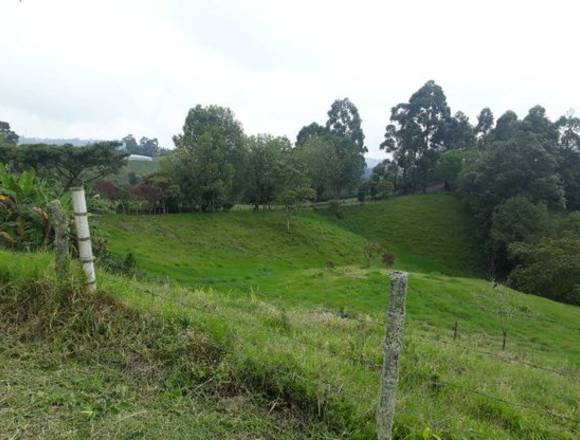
{"x":519,"y":177}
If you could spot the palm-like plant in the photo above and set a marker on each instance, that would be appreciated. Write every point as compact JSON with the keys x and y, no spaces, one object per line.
{"x":23,"y":221}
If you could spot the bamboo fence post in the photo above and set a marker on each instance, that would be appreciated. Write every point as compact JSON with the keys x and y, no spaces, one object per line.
{"x":394,"y":330}
{"x":84,"y":236}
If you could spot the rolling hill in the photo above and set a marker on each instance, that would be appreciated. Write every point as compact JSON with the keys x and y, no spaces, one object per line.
{"x":237,"y":329}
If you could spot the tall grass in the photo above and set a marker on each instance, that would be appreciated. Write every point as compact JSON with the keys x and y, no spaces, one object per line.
{"x":315,"y":370}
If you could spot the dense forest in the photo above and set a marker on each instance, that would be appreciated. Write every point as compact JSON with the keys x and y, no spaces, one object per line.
{"x":520,"y":177}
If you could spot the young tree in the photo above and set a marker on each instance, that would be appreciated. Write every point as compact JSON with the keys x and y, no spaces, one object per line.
{"x":291,"y":198}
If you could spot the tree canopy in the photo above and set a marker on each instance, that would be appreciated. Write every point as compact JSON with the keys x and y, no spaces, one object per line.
{"x":67,"y":164}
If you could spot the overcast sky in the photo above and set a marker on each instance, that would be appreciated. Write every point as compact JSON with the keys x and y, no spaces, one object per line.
{"x":105,"y":68}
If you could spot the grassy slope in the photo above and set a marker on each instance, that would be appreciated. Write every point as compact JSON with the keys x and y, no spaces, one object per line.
{"x":316,"y":362}
{"x":427,"y":233}
{"x":242,"y":251}
{"x":250,"y":254}
{"x":318,"y":347}
{"x":75,"y":367}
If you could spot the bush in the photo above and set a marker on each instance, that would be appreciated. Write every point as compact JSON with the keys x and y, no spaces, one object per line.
{"x":550,"y":268}
{"x":126,"y":265}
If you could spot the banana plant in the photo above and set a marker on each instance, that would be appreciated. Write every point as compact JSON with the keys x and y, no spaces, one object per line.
{"x":23,"y":220}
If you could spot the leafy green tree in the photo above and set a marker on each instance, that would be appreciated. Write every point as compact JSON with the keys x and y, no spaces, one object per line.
{"x":332,"y":165}
{"x":130,"y":144}
{"x":67,"y":164}
{"x":291,"y":198}
{"x":168,"y":191}
{"x":418,"y":134}
{"x":450,"y":165}
{"x":148,"y":147}
{"x":209,"y":163}
{"x":383,"y":180}
{"x":520,"y":166}
{"x":568,"y":127}
{"x":516,"y":220}
{"x":310,"y":131}
{"x":264,"y":168}
{"x":545,"y":130}
{"x":321,"y":164}
{"x":344,"y":121}
{"x":459,"y":132}
{"x":7,"y":135}
{"x":568,"y":157}
{"x":550,"y":267}
{"x":506,"y":127}
{"x":485,"y":123}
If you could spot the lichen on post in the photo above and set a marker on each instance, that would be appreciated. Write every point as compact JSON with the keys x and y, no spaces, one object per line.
{"x":395,"y":327}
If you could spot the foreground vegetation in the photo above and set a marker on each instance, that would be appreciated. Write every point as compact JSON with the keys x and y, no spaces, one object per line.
{"x":141,"y":360}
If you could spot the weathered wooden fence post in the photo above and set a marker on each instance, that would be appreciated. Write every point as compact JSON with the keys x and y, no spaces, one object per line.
{"x":455,"y":329}
{"x":84,"y":236}
{"x":395,"y":327}
{"x":59,"y":222}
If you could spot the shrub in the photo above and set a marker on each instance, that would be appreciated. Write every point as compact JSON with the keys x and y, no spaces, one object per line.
{"x":550,"y":268}
{"x":388,"y":259}
{"x":371,"y":251}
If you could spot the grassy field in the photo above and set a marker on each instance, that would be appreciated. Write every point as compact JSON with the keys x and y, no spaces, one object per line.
{"x":239,"y":330}
{"x":243,"y":251}
{"x":251,"y":255}
{"x":166,"y":361}
{"x":427,"y":233}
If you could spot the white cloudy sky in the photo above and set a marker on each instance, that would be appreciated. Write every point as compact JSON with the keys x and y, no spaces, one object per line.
{"x":105,"y":68}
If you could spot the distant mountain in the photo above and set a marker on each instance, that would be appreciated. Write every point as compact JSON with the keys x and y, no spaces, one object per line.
{"x":76,"y":142}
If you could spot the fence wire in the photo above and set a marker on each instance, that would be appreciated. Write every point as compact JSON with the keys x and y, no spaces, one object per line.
{"x":438,"y":382}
